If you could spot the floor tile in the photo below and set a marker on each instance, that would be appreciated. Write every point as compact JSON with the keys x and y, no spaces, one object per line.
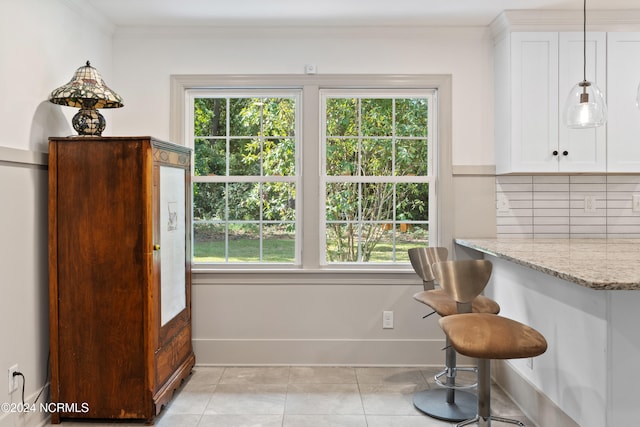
{"x":324,"y":399}
{"x":390,"y":376}
{"x":241,"y":421}
{"x":176,"y":420}
{"x":190,"y":402}
{"x":324,"y":421}
{"x":389,"y":399}
{"x":405,"y":421}
{"x":207,"y":375}
{"x":322,"y":375}
{"x":264,"y":399}
{"x":305,"y":397}
{"x":255,"y":375}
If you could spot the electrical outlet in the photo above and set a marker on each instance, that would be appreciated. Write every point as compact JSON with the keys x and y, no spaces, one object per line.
{"x":387,"y":320}
{"x":590,"y":204}
{"x":636,"y":203}
{"x":502,"y":202}
{"x":13,"y":381}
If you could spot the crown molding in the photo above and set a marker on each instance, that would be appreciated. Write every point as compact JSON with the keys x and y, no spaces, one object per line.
{"x":564,"y":20}
{"x":310,"y":32}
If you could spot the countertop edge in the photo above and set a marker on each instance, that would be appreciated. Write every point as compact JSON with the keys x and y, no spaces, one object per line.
{"x":590,"y":284}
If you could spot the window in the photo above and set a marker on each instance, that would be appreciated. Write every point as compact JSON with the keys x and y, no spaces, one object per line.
{"x":312,"y":172}
{"x":376,"y":174}
{"x":244,"y":176}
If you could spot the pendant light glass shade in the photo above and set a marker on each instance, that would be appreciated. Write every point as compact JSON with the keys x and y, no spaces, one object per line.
{"x":585,"y":107}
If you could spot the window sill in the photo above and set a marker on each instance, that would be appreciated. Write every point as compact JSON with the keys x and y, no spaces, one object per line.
{"x":351,"y":276}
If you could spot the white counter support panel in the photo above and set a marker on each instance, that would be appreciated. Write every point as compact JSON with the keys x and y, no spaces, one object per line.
{"x":590,"y":370}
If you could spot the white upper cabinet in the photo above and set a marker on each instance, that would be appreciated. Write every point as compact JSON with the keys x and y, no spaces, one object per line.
{"x":534,"y":72}
{"x":623,"y":74}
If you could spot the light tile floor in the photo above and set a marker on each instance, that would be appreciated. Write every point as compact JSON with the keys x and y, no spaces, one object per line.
{"x":306,"y":397}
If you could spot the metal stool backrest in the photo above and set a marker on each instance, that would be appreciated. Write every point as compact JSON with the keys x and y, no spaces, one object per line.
{"x":463,"y":280}
{"x":422,"y":259}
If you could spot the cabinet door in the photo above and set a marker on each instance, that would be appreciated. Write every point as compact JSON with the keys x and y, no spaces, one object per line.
{"x":585,"y":148}
{"x":623,"y":140}
{"x":534,"y":101}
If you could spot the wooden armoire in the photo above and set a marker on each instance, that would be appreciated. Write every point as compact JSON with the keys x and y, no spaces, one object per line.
{"x":119,"y":275}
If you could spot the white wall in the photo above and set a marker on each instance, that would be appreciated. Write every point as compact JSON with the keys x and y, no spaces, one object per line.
{"x":283,"y":320}
{"x":145,"y":58}
{"x":42,"y":42}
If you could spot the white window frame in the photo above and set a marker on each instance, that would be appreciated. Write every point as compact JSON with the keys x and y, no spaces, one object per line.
{"x":313,"y":271}
{"x":429,"y":94}
{"x":191,"y":95}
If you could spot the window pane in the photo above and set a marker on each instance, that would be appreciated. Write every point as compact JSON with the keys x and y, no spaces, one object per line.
{"x":209,"y":158}
{"x":245,"y":116}
{"x":279,"y":201}
{"x":412,"y":202}
{"x":244,"y":201}
{"x":411,"y":117}
{"x":377,"y":117}
{"x":382,"y":249}
{"x":411,"y":157}
{"x":342,"y":201}
{"x":210,"y":117}
{"x":278,"y":116}
{"x":279,"y":157}
{"x":208,"y":201}
{"x":410,"y":235}
{"x":244,"y":157}
{"x":279,"y":243}
{"x":342,"y":241}
{"x":377,"y":202}
{"x":377,"y":159}
{"x":342,"y":156}
{"x":208,"y":242}
{"x":244,"y":242}
{"x":342,"y":117}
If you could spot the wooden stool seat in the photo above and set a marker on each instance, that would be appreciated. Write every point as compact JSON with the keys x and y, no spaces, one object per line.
{"x":442,"y":303}
{"x":488,"y":336}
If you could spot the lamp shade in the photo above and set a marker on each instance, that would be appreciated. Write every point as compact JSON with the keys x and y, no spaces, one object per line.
{"x":585,"y":107}
{"x":87,"y":91}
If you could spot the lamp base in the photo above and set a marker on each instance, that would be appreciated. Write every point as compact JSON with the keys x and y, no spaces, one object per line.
{"x":88,"y":121}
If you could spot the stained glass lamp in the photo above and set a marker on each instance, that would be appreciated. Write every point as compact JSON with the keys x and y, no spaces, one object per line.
{"x":87,"y":91}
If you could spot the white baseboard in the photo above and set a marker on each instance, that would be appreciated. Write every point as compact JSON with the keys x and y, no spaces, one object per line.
{"x":321,"y":352}
{"x":535,"y":405}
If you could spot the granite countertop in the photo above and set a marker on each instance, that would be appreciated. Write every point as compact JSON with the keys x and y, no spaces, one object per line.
{"x":602,"y":264}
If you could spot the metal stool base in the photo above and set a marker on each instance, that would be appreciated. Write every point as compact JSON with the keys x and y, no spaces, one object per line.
{"x":486,"y":422}
{"x":433,"y":402}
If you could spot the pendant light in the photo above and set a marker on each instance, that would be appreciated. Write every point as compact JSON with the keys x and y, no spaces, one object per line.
{"x":585,"y":106}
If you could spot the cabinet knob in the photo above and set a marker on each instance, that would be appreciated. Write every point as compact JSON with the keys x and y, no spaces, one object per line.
{"x":565,"y":153}
{"x":555,"y":152}
{"x":156,"y":247}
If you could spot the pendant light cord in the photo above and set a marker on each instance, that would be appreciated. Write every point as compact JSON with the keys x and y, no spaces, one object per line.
{"x":584,"y":42}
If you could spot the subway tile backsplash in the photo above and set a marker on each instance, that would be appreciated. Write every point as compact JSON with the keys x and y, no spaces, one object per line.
{"x":578,"y":206}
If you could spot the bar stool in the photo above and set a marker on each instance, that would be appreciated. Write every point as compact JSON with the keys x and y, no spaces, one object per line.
{"x":482,"y":335}
{"x":451,"y":402}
